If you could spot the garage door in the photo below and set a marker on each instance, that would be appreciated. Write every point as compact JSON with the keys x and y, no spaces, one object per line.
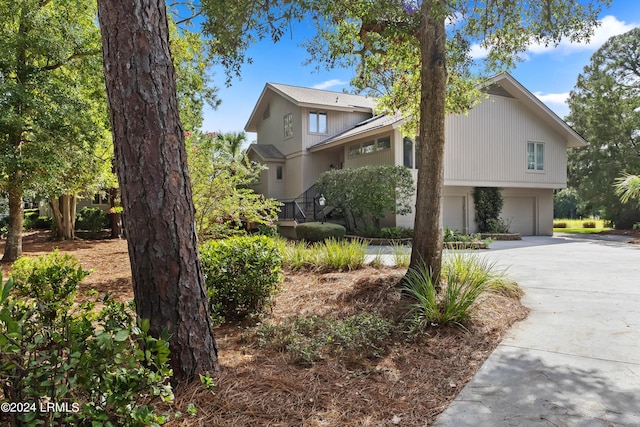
{"x":521,"y":212}
{"x":453,"y":213}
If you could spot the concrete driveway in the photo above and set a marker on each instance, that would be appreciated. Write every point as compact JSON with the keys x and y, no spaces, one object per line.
{"x":575,"y":361}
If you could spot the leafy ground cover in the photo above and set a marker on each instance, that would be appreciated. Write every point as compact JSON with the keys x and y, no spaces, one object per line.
{"x":262,"y":382}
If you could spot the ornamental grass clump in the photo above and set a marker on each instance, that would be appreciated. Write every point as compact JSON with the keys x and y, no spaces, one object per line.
{"x":451,"y":298}
{"x":343,"y":254}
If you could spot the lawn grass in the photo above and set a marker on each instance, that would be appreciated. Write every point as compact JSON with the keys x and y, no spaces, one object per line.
{"x":576,"y":226}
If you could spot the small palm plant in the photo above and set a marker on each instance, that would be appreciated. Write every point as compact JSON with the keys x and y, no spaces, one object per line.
{"x":628,"y":188}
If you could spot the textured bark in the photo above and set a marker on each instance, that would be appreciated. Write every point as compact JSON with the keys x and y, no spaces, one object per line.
{"x":13,"y":245}
{"x":64,"y":215}
{"x":427,"y":241}
{"x":156,"y":194}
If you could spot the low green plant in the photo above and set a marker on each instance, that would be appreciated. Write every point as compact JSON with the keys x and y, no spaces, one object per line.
{"x":589,"y":224}
{"x":102,"y":366}
{"x":330,"y":255}
{"x":450,"y":299}
{"x":343,"y":254}
{"x":401,"y":255}
{"x":318,"y":232}
{"x":242,"y":275}
{"x":310,"y":339}
{"x":559,"y":225}
{"x":498,"y":226}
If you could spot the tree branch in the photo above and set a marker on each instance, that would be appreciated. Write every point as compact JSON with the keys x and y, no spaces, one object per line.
{"x":69,"y":59}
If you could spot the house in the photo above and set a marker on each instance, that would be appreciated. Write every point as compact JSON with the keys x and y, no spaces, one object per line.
{"x":510,"y":140}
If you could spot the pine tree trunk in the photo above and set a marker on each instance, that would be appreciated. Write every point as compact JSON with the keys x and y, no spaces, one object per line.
{"x":156,"y":194}
{"x":427,"y":241}
{"x":13,"y":245}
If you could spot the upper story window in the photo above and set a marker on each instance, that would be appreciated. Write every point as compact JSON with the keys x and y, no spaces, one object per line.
{"x":535,"y":156}
{"x":267,"y":112}
{"x":288,"y":125}
{"x":407,"y":152}
{"x":317,"y":122}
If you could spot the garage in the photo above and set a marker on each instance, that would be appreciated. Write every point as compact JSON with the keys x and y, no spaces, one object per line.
{"x":453,"y":213}
{"x":520,"y":212}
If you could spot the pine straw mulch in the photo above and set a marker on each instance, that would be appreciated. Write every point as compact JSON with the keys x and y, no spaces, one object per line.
{"x":409,"y":385}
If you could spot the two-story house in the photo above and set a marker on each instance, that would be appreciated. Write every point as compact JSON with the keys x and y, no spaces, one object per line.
{"x":510,"y":140}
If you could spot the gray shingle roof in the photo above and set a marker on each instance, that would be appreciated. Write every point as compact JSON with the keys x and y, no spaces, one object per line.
{"x":267,"y":151}
{"x":368,"y":125}
{"x":303,"y":95}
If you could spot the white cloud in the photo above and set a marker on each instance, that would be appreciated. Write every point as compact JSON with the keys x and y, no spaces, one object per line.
{"x":329,"y":83}
{"x":553,"y":98}
{"x":609,"y":26}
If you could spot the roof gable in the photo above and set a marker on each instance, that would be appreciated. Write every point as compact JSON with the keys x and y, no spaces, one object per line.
{"x":508,"y":86}
{"x":309,"y":98}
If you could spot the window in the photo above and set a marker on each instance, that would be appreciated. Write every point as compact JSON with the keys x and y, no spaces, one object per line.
{"x":535,"y":156}
{"x":317,"y":122}
{"x":383,"y":144}
{"x":279,"y":173}
{"x":267,"y":112}
{"x":288,"y":125}
{"x":407,"y":152}
{"x":100,"y":198}
{"x":368,"y":147}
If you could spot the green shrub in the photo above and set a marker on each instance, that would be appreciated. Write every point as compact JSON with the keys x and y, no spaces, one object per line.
{"x":488,"y":203}
{"x":559,"y":225}
{"x":498,"y":225}
{"x":242,"y":274}
{"x":396,"y":232}
{"x":104,"y":367}
{"x":93,"y":220}
{"x":30,"y":219}
{"x":317,"y":231}
{"x":589,"y":224}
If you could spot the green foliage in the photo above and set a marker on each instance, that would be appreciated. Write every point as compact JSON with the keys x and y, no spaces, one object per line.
{"x":310,"y":339}
{"x":628,"y":188}
{"x":559,"y":225}
{"x":488,"y":204}
{"x":93,"y":220}
{"x":401,"y":255}
{"x":318,"y":232}
{"x":387,"y":232}
{"x":365,"y":195}
{"x":101,"y":364}
{"x":219,"y":182}
{"x":33,"y":221}
{"x":242,"y":275}
{"x":455,"y":236}
{"x":451,"y":300}
{"x":567,"y":204}
{"x":343,"y":255}
{"x":329,"y":255}
{"x":589,"y":224}
{"x":605,"y":110}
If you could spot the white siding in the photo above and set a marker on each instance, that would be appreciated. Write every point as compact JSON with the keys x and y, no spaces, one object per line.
{"x":488,"y":147}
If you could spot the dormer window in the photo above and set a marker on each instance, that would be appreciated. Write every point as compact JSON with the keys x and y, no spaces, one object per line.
{"x":317,"y":122}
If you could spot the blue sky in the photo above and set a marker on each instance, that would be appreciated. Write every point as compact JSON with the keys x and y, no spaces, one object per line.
{"x":549,"y":73}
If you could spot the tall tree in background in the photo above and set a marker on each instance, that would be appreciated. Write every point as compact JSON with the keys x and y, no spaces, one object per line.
{"x":40,"y":108}
{"x":417,"y":53}
{"x":605,"y":109}
{"x":155,"y":189}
